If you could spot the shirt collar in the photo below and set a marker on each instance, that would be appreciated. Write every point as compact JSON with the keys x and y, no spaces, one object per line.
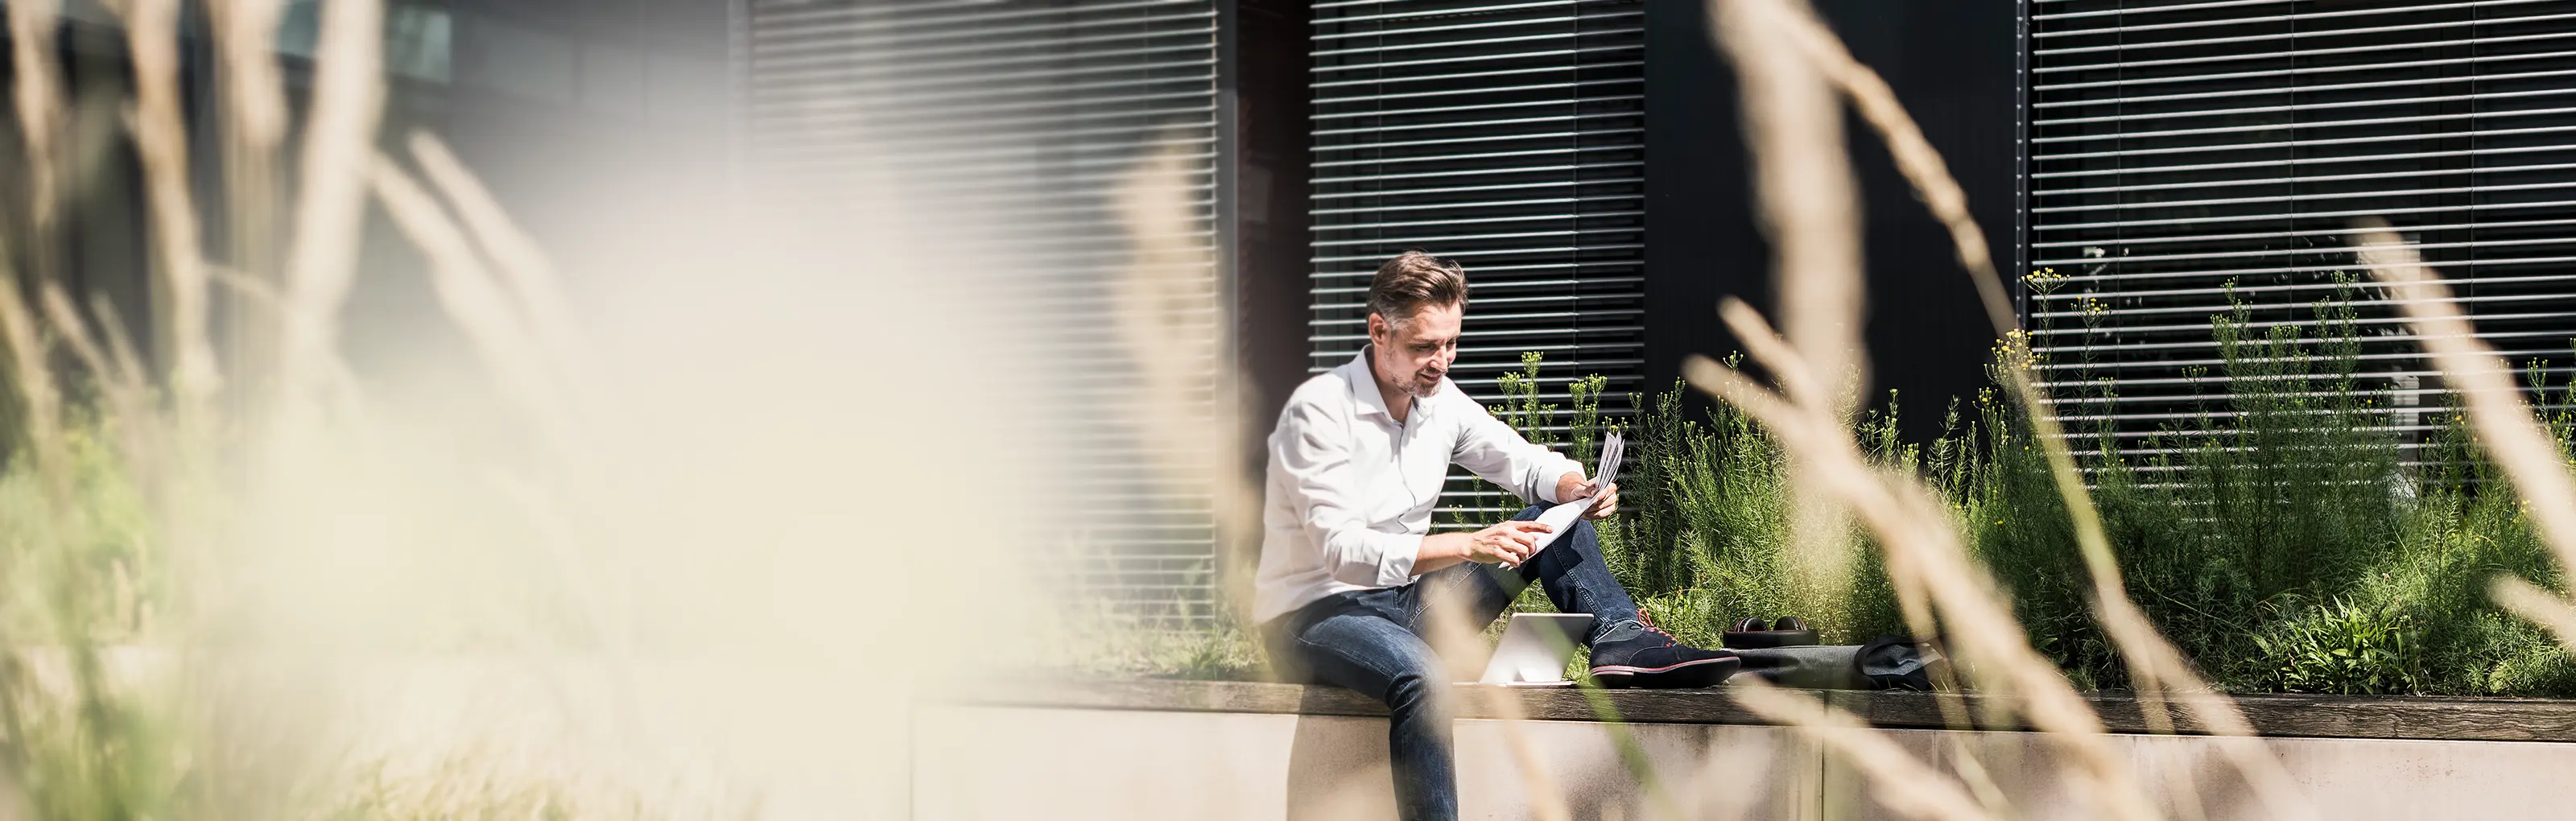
{"x":1364,"y":386}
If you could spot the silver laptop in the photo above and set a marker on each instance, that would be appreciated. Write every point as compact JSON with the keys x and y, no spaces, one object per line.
{"x":1535,"y":648}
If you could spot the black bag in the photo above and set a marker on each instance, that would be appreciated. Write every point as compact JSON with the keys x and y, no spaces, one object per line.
{"x":1893,"y":662}
{"x":1813,"y":667}
{"x":1889,"y":662}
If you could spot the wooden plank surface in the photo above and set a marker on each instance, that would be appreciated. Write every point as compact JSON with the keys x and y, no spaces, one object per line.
{"x":2466,"y":719}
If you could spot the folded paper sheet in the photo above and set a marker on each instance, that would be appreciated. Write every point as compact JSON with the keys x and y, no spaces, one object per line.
{"x":1563,"y":516}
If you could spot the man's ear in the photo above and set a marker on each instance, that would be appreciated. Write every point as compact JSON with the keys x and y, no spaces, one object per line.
{"x":1378,"y":330}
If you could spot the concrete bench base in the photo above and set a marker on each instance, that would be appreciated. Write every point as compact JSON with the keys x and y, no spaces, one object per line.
{"x":985,"y":761}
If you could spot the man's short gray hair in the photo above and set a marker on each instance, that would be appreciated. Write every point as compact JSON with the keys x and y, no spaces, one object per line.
{"x":1412,"y":280}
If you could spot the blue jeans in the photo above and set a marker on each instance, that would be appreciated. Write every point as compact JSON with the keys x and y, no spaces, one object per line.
{"x":1373,"y":641}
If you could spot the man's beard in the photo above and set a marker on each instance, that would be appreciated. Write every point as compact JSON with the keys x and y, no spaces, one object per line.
{"x":1423,"y":391}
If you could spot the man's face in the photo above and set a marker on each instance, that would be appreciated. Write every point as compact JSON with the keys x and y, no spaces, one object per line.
{"x":1415,"y":354}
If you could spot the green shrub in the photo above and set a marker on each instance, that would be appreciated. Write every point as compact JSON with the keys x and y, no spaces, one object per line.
{"x":1704,"y":535}
{"x":2283,"y":537}
{"x":1731,"y":552}
{"x":1484,"y":503}
{"x":2280,"y":537}
{"x":2282,"y":487}
{"x":85,"y":736}
{"x":2342,"y":647}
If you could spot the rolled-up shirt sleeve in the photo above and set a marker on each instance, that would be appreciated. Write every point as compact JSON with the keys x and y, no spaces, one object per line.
{"x":1311,"y":450}
{"x":1502,"y":456}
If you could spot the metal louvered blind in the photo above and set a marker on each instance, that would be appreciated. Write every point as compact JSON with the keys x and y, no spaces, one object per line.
{"x":2175,"y":148}
{"x":1024,"y":116}
{"x":1509,"y":136}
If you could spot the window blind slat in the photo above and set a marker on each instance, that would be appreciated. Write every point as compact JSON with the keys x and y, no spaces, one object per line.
{"x":2188,"y":158}
{"x":1509,"y":137}
{"x":1019,"y":121}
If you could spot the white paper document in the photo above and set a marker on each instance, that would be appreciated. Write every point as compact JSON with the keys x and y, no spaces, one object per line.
{"x":1563,"y":516}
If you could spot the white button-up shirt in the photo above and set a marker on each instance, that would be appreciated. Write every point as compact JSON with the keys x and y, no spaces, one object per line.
{"x":1350,"y":490}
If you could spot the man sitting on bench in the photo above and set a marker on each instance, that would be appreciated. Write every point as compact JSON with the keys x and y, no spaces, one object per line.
{"x":1349,"y":568}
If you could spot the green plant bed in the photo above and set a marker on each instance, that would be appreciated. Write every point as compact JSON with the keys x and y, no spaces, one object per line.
{"x":2287,"y":539}
{"x":2284,"y":539}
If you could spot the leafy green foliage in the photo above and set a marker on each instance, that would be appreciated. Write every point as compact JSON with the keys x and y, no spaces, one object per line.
{"x":1704,"y":538}
{"x":2283,"y":536}
{"x":2342,"y":647}
{"x":83,"y":728}
{"x":1536,"y":419}
{"x":2279,"y":537}
{"x":1728,"y":550}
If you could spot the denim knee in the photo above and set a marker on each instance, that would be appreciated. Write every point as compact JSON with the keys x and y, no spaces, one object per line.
{"x":1417,"y":693}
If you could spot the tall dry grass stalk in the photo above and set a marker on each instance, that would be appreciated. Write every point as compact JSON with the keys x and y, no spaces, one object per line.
{"x":2159,"y":670}
{"x":1914,"y":527}
{"x":1454,"y":638}
{"x":1809,"y":207}
{"x":1755,"y":33}
{"x":1906,"y":786}
{"x":161,"y":138}
{"x":122,"y":382}
{"x":2542,"y":607}
{"x":1162,"y":325}
{"x":39,"y":402}
{"x":1808,"y":198}
{"x":518,"y":346}
{"x":254,"y":94}
{"x":331,"y":201}
{"x":327,"y":542}
{"x":2504,"y":424}
{"x":39,"y":97}
{"x":251,"y":107}
{"x":253,"y":102}
{"x":2506,"y":428}
{"x":524,"y":270}
{"x":493,"y":318}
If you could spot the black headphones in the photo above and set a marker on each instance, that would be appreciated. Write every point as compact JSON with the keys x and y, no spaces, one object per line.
{"x":1751,"y":631}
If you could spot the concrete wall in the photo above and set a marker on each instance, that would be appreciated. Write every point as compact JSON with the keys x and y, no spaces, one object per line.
{"x":973,"y":762}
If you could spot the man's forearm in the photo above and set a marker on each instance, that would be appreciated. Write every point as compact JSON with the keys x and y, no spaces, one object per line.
{"x":1568,"y":486}
{"x":1440,"y":550}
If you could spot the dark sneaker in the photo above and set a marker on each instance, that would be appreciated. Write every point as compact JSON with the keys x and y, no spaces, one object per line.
{"x":1641,"y":655}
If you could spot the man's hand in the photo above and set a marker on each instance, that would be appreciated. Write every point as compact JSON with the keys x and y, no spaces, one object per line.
{"x":1609,"y":505}
{"x":1510,"y":542}
{"x":1572,"y":486}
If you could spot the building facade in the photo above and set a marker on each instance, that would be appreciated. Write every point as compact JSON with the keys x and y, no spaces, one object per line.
{"x":2185,"y":159}
{"x":2165,"y":160}
{"x":1581,"y":157}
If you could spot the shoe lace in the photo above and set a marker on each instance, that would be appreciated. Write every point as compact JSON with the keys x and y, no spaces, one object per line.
{"x":1648,"y":620}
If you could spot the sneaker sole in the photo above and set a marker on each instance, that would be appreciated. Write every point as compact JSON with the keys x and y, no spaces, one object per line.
{"x":1686,"y":675}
